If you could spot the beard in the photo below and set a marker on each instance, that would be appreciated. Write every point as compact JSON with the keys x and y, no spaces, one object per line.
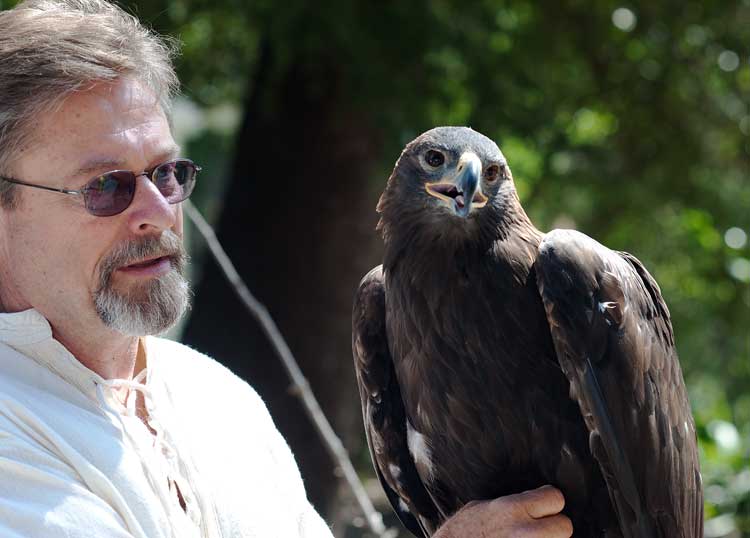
{"x":153,"y":306}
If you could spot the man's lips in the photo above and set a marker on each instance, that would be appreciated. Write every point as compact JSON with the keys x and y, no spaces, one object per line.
{"x":149,"y":267}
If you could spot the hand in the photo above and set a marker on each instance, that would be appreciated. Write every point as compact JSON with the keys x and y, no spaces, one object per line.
{"x":531,"y":514}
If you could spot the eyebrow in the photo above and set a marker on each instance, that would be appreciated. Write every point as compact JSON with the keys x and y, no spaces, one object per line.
{"x":99,"y":164}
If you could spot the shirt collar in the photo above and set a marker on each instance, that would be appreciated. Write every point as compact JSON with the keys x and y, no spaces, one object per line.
{"x":29,"y":333}
{"x":26,"y":327}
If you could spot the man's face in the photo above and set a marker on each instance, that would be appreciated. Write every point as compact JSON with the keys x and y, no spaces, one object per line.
{"x":84,"y":272}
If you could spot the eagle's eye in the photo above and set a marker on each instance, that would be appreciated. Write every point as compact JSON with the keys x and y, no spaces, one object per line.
{"x":434,"y":158}
{"x":492,"y":173}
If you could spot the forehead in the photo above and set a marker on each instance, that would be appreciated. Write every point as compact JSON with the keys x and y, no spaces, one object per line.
{"x":456,"y":140}
{"x":119,"y":122}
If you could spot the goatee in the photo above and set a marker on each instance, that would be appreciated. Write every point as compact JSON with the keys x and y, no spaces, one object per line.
{"x":157,"y":304}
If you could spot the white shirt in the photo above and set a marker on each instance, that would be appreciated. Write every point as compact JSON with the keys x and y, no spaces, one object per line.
{"x":76,"y":462}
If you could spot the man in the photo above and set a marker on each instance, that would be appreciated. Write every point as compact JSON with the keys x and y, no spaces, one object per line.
{"x":105,"y":430}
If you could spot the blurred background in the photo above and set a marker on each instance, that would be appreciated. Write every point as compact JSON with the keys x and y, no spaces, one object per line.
{"x":629,"y":121}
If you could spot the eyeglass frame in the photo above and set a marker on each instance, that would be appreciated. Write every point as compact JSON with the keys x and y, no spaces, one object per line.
{"x":149,"y":172}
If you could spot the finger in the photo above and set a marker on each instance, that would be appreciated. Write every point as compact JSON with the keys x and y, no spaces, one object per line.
{"x":542,"y":502}
{"x":558,"y":526}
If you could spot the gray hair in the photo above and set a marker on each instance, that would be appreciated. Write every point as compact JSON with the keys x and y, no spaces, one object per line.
{"x":52,"y":48}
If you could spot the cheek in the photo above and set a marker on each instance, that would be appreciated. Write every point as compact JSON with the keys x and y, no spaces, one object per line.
{"x":32,"y":264}
{"x":54,"y":258}
{"x":57,"y":257}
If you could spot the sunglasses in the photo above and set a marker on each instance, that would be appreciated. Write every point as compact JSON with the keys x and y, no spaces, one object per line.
{"x":112,"y":192}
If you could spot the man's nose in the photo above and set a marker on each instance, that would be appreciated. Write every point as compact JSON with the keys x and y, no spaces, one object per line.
{"x":149,"y":210}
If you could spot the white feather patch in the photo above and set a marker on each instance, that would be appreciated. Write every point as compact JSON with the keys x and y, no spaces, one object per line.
{"x":419,"y":449}
{"x":395,"y":471}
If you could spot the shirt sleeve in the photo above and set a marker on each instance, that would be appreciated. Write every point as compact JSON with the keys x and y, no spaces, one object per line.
{"x":42,"y":497}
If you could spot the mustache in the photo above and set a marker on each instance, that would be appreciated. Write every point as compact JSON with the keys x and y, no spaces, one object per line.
{"x":168,"y":244}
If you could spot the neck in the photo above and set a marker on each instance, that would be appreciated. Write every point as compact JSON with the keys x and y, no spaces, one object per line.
{"x":508,"y":239}
{"x":110,"y":354}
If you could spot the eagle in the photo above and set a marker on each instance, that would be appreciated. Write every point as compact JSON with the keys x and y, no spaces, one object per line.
{"x":492,"y":358}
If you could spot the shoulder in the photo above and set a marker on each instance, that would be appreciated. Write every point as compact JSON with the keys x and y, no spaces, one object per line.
{"x":558,"y":240}
{"x":190,"y":376}
{"x":165,"y":354}
{"x":231,"y":434}
{"x":209,"y":399}
{"x":182,"y":364}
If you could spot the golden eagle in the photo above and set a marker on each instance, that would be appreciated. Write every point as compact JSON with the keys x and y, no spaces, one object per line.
{"x":493,"y":358}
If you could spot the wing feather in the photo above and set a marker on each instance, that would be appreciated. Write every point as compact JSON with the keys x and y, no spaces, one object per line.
{"x":614,"y":341}
{"x":383,"y":409}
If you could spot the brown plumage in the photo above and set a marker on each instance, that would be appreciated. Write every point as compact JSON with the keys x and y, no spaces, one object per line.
{"x":492,"y":358}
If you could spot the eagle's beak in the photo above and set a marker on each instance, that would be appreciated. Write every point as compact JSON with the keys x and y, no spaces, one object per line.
{"x":462,"y":192}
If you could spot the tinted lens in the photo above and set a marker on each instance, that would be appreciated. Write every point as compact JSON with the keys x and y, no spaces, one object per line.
{"x":112,"y":193}
{"x":109,"y":194}
{"x":175,"y":179}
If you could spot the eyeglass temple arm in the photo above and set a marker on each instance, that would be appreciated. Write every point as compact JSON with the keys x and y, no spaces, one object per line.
{"x":53,"y":189}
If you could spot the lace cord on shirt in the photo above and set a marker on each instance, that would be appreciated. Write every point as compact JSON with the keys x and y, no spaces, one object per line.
{"x":179,"y":489}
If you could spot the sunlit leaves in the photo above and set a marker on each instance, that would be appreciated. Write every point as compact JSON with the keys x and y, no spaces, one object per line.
{"x":525,"y":162}
{"x":624,"y":19}
{"x":591,"y":127}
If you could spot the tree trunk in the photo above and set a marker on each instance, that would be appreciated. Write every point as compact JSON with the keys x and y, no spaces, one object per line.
{"x":298,"y":223}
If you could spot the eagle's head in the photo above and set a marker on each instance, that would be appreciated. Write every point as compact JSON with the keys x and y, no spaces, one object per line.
{"x":450,"y":184}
